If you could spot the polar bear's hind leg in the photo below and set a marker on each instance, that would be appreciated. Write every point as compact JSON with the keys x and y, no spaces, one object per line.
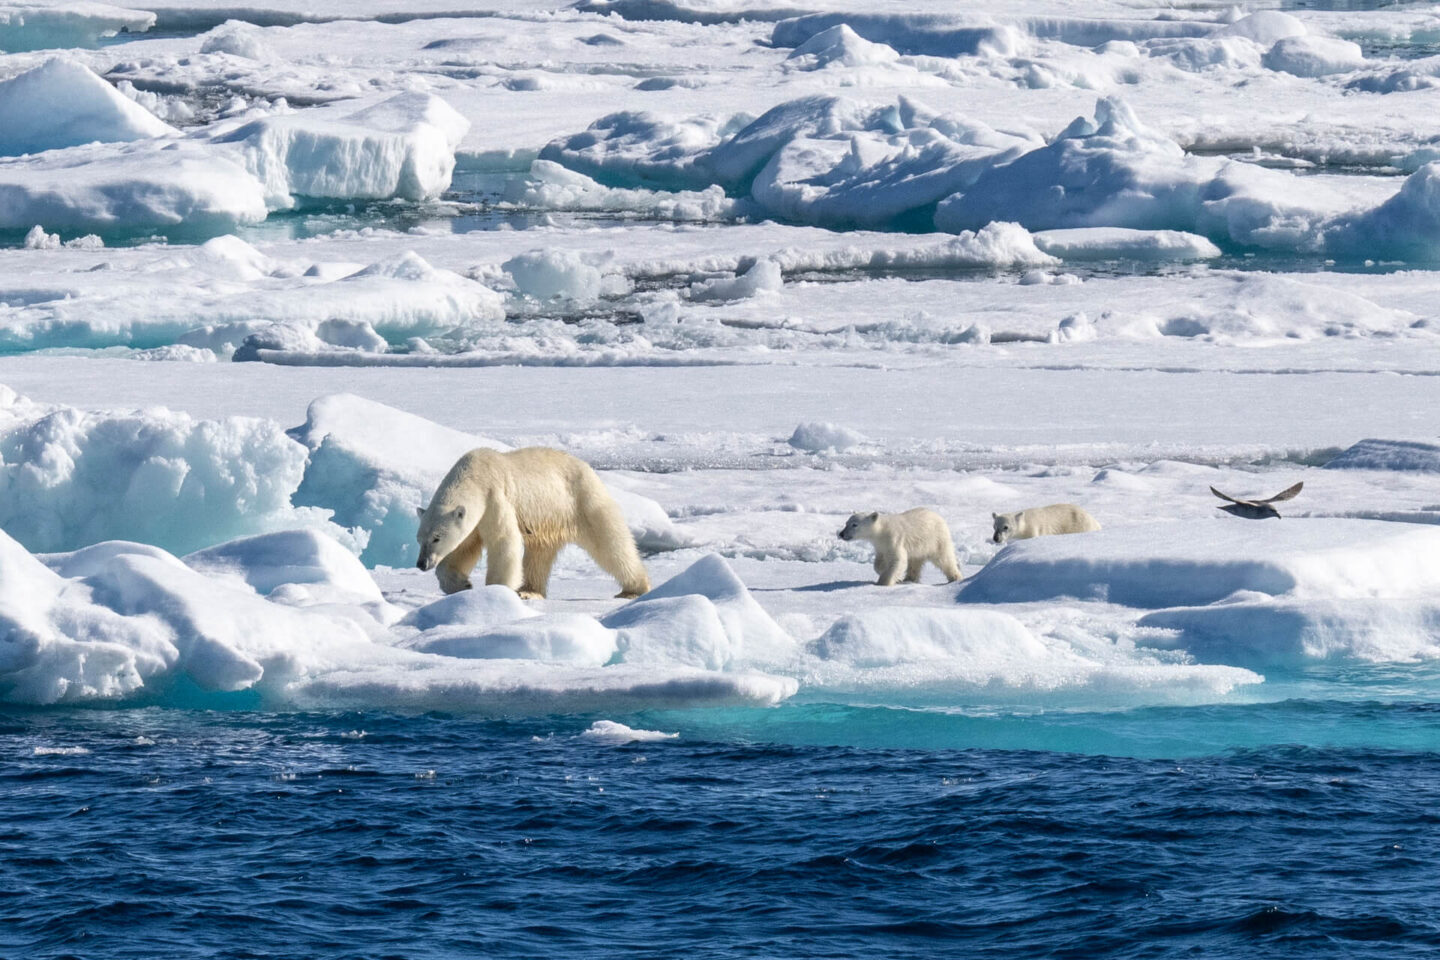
{"x":604,"y":535}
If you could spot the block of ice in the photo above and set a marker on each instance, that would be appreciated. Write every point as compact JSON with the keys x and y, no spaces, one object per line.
{"x":181,"y":186}
{"x":1266,"y":632}
{"x":71,"y":24}
{"x":612,"y":732}
{"x":70,"y":477}
{"x":544,"y":274}
{"x":1191,"y":564}
{"x":818,"y":436}
{"x":1119,"y":243}
{"x":62,"y":103}
{"x":1372,"y":454}
{"x":403,"y":146}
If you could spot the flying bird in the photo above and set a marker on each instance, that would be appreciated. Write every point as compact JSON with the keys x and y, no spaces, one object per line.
{"x":1257,"y":509}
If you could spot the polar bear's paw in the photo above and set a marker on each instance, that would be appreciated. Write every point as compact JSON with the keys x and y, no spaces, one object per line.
{"x":530,"y":594}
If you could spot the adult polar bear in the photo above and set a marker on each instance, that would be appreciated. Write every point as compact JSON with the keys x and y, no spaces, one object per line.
{"x":523,"y":506}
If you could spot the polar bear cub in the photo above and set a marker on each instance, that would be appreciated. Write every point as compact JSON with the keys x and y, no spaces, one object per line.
{"x":1042,"y":522}
{"x":905,"y":542}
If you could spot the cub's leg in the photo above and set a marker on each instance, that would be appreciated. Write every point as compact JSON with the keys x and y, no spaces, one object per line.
{"x":890,"y":568}
{"x":912,"y":569}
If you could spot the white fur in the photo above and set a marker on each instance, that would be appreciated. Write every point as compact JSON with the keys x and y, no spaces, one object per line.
{"x":521,"y":507}
{"x":1042,"y":522}
{"x":905,"y":542}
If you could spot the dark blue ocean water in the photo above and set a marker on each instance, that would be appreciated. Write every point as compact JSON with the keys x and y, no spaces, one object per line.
{"x":225,"y":834}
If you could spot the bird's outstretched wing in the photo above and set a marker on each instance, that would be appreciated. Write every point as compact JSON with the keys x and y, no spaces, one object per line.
{"x":1287,"y":494}
{"x":1226,"y":496}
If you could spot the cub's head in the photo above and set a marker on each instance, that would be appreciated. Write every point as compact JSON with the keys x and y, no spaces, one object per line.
{"x":441,"y":530}
{"x":859,"y":525}
{"x":1004,"y":526}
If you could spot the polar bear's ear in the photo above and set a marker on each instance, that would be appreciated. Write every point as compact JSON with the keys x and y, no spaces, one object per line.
{"x":875,"y":515}
{"x":420,"y":511}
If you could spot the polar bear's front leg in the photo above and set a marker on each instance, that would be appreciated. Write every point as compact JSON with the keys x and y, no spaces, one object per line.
{"x":889,"y":568}
{"x":506,"y":547}
{"x":539,"y":558}
{"x":453,"y":572}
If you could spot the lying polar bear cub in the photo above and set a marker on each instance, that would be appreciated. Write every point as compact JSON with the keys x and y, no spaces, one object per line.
{"x":905,"y":541}
{"x":1042,"y":521}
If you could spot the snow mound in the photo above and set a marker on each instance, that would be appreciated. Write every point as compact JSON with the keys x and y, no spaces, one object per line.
{"x":62,"y":103}
{"x":298,"y":567}
{"x":1203,"y":562}
{"x":1389,"y":455}
{"x":1266,"y":27}
{"x":818,"y":436}
{"x":238,"y":39}
{"x":1117,"y":243}
{"x":70,"y":477}
{"x":1310,"y":56}
{"x":401,"y":147}
{"x":704,"y":616}
{"x":612,"y":732}
{"x":482,"y":607}
{"x":78,"y":24}
{"x":549,"y":638}
{"x":373,"y":465}
{"x":839,"y":45}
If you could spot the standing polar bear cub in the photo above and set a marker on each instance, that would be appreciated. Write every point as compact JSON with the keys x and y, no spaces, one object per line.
{"x":905,"y":542}
{"x":1042,"y":521}
{"x":522,"y":507}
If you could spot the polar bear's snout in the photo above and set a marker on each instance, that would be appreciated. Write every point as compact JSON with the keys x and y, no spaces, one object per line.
{"x":426,"y":561}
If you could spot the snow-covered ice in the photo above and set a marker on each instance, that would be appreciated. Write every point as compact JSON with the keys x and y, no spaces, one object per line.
{"x":267,"y":272}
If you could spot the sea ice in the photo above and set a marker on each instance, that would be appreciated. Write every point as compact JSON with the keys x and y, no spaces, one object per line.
{"x":62,"y":103}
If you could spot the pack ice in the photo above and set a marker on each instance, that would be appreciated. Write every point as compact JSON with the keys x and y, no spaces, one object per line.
{"x":212,"y":179}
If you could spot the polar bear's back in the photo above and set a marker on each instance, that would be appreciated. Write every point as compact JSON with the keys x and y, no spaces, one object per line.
{"x":545,"y":487}
{"x":918,"y":530}
{"x":1054,"y":519}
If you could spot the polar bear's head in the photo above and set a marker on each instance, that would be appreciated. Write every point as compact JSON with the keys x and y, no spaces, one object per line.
{"x":860,"y":525}
{"x":441,"y":530}
{"x":1004,"y":526}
